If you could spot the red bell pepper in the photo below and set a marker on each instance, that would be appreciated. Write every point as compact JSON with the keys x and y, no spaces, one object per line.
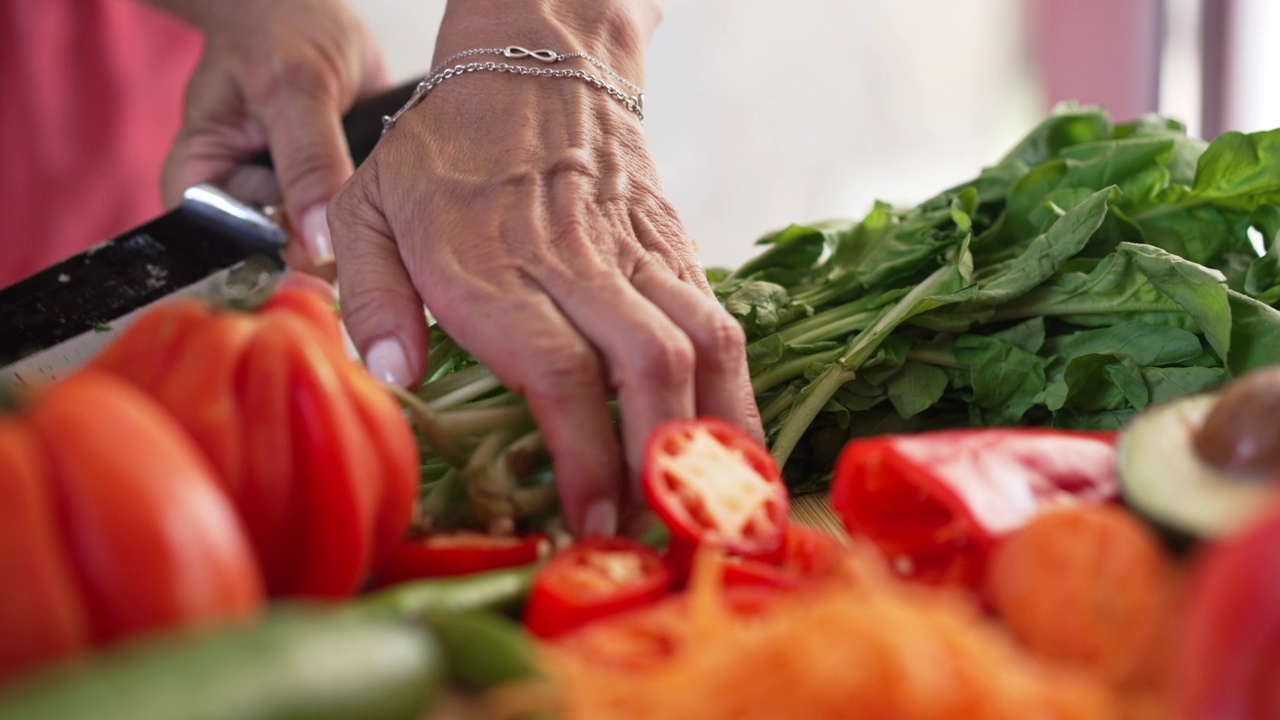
{"x":935,"y":503}
{"x":712,"y":484}
{"x":459,"y":553}
{"x":594,"y":578}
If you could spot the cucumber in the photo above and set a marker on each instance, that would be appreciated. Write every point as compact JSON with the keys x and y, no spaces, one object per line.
{"x":1164,"y":480}
{"x":483,"y":649}
{"x":497,"y":590}
{"x":294,"y":665}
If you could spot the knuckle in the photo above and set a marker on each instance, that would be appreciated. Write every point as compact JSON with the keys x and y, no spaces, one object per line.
{"x":565,"y":367}
{"x":723,"y":340}
{"x":666,"y":362}
{"x":291,"y":75}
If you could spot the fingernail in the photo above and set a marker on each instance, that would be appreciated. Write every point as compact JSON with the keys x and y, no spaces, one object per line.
{"x":387,"y":362}
{"x":601,"y":519}
{"x":315,"y":235}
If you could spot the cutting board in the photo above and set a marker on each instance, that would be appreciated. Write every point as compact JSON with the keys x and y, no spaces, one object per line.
{"x":814,"y":510}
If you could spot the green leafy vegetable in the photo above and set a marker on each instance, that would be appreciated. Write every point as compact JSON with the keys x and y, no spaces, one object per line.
{"x":1094,"y":270}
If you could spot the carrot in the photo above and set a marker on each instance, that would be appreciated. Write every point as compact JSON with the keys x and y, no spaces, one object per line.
{"x":866,"y":646}
{"x":1090,"y":587}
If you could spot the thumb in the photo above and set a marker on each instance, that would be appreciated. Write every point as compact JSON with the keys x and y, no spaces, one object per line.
{"x":304,"y":131}
{"x":382,"y":310}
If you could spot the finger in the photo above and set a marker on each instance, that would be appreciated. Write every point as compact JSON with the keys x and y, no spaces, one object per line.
{"x":722,"y":377}
{"x":523,"y":337}
{"x":301,"y":109}
{"x":380,"y":306}
{"x":649,"y":359}
{"x":215,"y":137}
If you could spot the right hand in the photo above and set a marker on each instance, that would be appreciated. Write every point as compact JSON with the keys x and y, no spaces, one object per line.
{"x":276,"y":74}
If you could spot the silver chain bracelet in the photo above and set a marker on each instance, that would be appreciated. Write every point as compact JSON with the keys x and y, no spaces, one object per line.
{"x":442,"y":72}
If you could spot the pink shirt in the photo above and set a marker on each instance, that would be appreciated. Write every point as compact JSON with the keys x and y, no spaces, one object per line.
{"x":90,"y":101}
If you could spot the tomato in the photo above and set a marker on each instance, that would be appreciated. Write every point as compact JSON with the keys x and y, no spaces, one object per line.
{"x":459,"y":553}
{"x":594,"y":578}
{"x":112,"y":524}
{"x":804,"y":557}
{"x":319,"y":461}
{"x":1229,"y":656}
{"x":712,"y":484}
{"x":936,"y":503}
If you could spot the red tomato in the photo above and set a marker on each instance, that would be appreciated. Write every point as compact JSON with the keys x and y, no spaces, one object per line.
{"x":805,"y":556}
{"x":935,"y":503}
{"x":713,"y":484}
{"x":592,"y":579}
{"x":1229,"y":656}
{"x":319,"y":461}
{"x":459,"y":553}
{"x":112,"y":523}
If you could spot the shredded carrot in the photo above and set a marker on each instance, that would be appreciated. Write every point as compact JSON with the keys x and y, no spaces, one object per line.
{"x":862,"y":646}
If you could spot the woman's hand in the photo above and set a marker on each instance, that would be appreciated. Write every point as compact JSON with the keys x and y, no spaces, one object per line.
{"x":277,"y":73}
{"x":527,"y":213}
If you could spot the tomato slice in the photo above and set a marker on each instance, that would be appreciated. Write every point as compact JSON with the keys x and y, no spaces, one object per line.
{"x":594,"y":578}
{"x":935,"y":503}
{"x":713,"y":484}
{"x":459,"y":552}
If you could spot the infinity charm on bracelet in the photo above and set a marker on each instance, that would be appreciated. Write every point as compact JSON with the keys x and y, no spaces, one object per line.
{"x":516,"y":52}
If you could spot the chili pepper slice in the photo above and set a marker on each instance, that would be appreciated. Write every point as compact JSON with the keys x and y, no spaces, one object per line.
{"x":594,"y":578}
{"x":935,"y":503}
{"x":459,"y":552}
{"x":713,"y":484}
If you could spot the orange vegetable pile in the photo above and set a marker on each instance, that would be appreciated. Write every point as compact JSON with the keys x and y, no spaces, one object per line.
{"x":863,"y":645}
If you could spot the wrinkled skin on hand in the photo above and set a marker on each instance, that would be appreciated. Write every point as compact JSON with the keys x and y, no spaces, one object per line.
{"x":528,"y":215}
{"x":277,"y":73}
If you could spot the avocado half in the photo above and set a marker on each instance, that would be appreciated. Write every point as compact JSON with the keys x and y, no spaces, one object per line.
{"x":1163,"y":478}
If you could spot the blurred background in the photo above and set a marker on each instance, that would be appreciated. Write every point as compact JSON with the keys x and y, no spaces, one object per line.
{"x":762,"y":113}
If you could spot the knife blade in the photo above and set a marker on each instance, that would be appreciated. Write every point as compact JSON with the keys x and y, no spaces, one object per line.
{"x":214,"y":246}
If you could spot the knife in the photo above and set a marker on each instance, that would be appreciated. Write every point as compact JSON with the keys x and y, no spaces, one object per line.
{"x":214,"y":246}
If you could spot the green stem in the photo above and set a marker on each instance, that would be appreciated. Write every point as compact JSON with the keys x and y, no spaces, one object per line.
{"x":475,"y":421}
{"x":789,"y":369}
{"x":844,"y":368}
{"x":831,"y":324}
{"x":803,"y":414}
{"x":779,"y":404}
{"x":1160,"y":210}
{"x":440,"y":355}
{"x":454,"y":382}
{"x":471,"y":391}
{"x":427,"y":421}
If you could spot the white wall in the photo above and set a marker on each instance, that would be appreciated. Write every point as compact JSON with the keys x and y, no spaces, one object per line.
{"x":764,"y":112}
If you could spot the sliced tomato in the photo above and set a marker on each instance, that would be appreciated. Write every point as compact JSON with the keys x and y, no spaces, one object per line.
{"x":1229,"y":655}
{"x":713,"y":484}
{"x":594,"y":578}
{"x":459,"y":553}
{"x":935,"y":503}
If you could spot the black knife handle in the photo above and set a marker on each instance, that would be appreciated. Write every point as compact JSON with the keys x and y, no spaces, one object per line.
{"x":362,"y":124}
